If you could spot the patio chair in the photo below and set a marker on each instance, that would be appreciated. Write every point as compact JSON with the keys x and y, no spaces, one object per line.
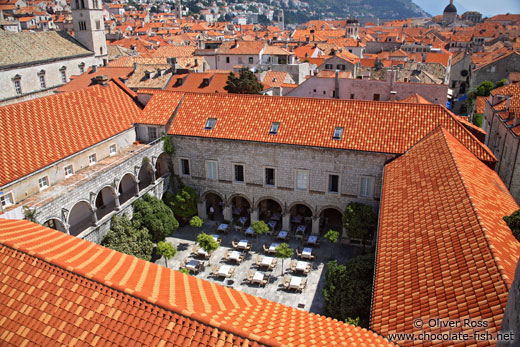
{"x":302,"y":285}
{"x":201,"y":266}
{"x":258,"y":261}
{"x":307,"y":269}
{"x":266,"y":249}
{"x":195,"y":250}
{"x":298,"y":252}
{"x":248,"y":247}
{"x":226,"y":254}
{"x":234,"y":243}
{"x":231,"y":272}
{"x":292,"y":265}
{"x":273,"y":263}
{"x":249,"y":276}
{"x":286,"y":281}
{"x":214,"y":269}
{"x":241,"y":259}
{"x":183,"y":264}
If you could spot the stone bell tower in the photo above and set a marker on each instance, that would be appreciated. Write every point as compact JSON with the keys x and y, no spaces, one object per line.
{"x":89,"y":27}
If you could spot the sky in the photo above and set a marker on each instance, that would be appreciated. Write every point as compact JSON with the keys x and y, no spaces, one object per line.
{"x":486,"y":7}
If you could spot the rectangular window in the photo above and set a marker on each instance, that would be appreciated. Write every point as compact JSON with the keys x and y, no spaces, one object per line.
{"x":269,"y":177}
{"x":250,"y":60}
{"x":338,"y":133}
{"x":63,"y":76}
{"x":352,"y":96}
{"x":7,"y":199}
{"x":227,"y":60}
{"x":366,"y":187}
{"x":185,"y":167}
{"x":81,"y":68}
{"x":112,"y":149}
{"x":274,"y":128}
{"x":92,"y":159}
{"x":18,"y":87}
{"x":333,"y":184}
{"x":376,"y":97}
{"x":211,"y":170}
{"x":302,"y":179}
{"x":43,"y":182}
{"x":42,"y":81}
{"x":98,"y":24}
{"x":210,"y":123}
{"x":152,"y":133}
{"x":69,"y":171}
{"x":239,"y":173}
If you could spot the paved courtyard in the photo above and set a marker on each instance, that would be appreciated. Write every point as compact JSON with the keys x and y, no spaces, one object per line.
{"x":310,"y":299}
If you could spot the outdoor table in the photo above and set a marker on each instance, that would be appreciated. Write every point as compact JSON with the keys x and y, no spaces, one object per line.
{"x":216,"y":237}
{"x":242,"y":220}
{"x":267,"y":261}
{"x":237,"y":210}
{"x":297,"y":219}
{"x":307,"y":253}
{"x":271,"y":224}
{"x":224,"y":270}
{"x":202,"y":252}
{"x":312,"y":239}
{"x":273,"y":246}
{"x":276,"y":216}
{"x":295,"y":282}
{"x":249,"y":231}
{"x":282,"y":234}
{"x":301,"y":228}
{"x":222,"y":227}
{"x":242,"y":244}
{"x":258,"y":277}
{"x":301,"y":265}
{"x":193,"y":265}
{"x":235,"y":255}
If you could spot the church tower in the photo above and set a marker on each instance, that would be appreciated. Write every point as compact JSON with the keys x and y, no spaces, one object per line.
{"x":352,"y":29}
{"x":449,"y":16}
{"x":89,"y":27}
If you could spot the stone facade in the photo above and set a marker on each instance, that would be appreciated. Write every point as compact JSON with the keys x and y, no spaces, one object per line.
{"x":350,"y":166}
{"x":511,"y":319}
{"x":496,"y":70}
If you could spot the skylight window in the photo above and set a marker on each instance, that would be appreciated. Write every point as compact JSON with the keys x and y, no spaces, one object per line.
{"x":274,"y":128}
{"x":338,"y":133}
{"x":210,"y":123}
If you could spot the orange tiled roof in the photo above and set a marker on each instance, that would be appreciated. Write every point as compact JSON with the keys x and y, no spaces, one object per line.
{"x":443,"y":249}
{"x":510,"y":89}
{"x":369,"y":126}
{"x":59,"y":288}
{"x":174,"y":51}
{"x":81,"y":118}
{"x":481,"y":103}
{"x":86,"y":79}
{"x":415,"y":99}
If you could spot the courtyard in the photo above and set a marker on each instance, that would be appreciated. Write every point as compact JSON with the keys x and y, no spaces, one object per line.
{"x":271,"y":283}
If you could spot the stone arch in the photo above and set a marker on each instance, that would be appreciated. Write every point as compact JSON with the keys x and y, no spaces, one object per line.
{"x":161,"y":165}
{"x":55,"y":223}
{"x":214,"y":204}
{"x":81,"y":217}
{"x":331,"y":217}
{"x":105,"y":201}
{"x":145,"y":175}
{"x":270,"y":208}
{"x":127,"y":187}
{"x":270,"y":198}
{"x":291,"y":206}
{"x":211,"y":191}
{"x":240,"y":208}
{"x":230,"y":199}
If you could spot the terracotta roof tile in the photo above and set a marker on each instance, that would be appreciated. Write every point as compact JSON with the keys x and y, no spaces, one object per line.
{"x":369,"y":126}
{"x":82,"y":118}
{"x":443,"y":249}
{"x":194,"y":310}
{"x":87,"y":79}
{"x":415,"y":99}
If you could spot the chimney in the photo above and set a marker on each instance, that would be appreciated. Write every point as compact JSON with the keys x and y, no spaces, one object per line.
{"x":94,"y":68}
{"x":393,"y":94}
{"x":336,"y":85}
{"x":102,"y":80}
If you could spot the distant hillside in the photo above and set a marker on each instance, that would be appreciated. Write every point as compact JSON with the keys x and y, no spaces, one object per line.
{"x":330,"y":9}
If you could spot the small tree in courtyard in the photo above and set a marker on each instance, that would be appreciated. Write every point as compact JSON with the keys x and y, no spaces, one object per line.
{"x":359,"y":221}
{"x":183,"y":204}
{"x":513,"y":222}
{"x":166,"y":250}
{"x":196,"y":222}
{"x":259,"y":228}
{"x":207,"y":242}
{"x":332,"y":236}
{"x":283,"y":251}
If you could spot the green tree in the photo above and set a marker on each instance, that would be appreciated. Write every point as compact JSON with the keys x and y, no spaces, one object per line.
{"x":501,"y":83}
{"x":283,"y":251}
{"x":259,"y":228}
{"x":184,"y":271}
{"x":124,"y":236}
{"x":348,"y":289}
{"x":166,"y":250}
{"x":332,"y":236}
{"x":183,"y":204}
{"x":359,"y":221}
{"x":353,"y":321}
{"x":196,"y":222}
{"x":154,"y":215}
{"x":246,"y":83}
{"x":513,"y":222}
{"x":31,"y":214}
{"x":207,"y":242}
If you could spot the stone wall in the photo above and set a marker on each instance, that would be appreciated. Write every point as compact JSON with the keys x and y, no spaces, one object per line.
{"x":511,"y":319}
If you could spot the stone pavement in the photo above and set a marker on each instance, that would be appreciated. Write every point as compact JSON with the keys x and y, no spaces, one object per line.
{"x":311,"y":299}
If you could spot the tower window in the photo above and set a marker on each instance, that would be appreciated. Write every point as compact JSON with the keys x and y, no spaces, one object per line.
{"x":18,"y":87}
{"x":42,"y":81}
{"x":98,"y":24}
{"x":63,"y":72}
